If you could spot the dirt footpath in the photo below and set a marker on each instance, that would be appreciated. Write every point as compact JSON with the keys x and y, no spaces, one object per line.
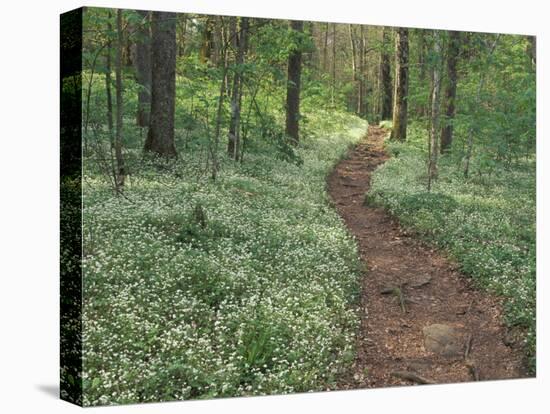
{"x":421,"y":319}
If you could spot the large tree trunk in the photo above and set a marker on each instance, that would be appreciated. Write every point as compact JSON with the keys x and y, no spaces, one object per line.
{"x":293,"y":87}
{"x":143,"y":69}
{"x":120,"y":171}
{"x":450,"y":90}
{"x":434,"y":128}
{"x":160,"y":138}
{"x":400,"y":96}
{"x":240,"y":40}
{"x":385,"y":78}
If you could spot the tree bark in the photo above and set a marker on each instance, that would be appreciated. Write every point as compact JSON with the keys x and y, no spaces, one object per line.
{"x":434,"y":128}
{"x":353,"y":44}
{"x":241,"y":44}
{"x":421,"y":108}
{"x":333,"y":80}
{"x":357,"y":44}
{"x":143,"y":69}
{"x":532,"y":49}
{"x":293,"y":87}
{"x":450,"y":90}
{"x":385,"y":78}
{"x":325,"y":47}
{"x":160,"y":138}
{"x":217,"y":40}
{"x":400,"y":96}
{"x":223,"y":57}
{"x":108,"y":80}
{"x":362,"y":93}
{"x":120,"y":171}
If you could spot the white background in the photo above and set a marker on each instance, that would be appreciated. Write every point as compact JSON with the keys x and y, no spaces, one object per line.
{"x":29,"y":205}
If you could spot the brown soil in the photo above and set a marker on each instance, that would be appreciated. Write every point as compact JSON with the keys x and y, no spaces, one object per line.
{"x":391,"y":338}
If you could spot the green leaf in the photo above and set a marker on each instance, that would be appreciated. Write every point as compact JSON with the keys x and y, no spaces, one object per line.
{"x":96,"y":382}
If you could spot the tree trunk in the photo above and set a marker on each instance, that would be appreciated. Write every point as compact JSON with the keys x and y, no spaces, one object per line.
{"x":421,"y":108}
{"x":217,"y":41}
{"x":227,"y":32}
{"x":362,"y":93}
{"x":241,"y":44}
{"x":206,"y":42}
{"x":532,"y":49}
{"x":182,"y":34}
{"x":400,"y":96}
{"x":223,"y":58}
{"x":356,"y":67}
{"x":325,"y":47}
{"x":108,"y":80}
{"x":233,"y":88}
{"x":353,"y":44}
{"x":127,"y":55}
{"x":293,"y":87}
{"x":120,"y":172}
{"x":143,"y":69}
{"x":450,"y":91}
{"x":333,"y":83}
{"x":160,"y":138}
{"x":385,"y":78}
{"x":434,"y":129}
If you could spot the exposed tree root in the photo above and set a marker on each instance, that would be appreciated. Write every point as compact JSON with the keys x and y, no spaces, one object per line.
{"x":411,"y":376}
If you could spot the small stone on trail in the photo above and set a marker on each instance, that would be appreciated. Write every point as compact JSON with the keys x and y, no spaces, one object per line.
{"x":442,"y":339}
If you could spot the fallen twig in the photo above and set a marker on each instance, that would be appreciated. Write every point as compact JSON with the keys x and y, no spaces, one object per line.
{"x":468,"y":346}
{"x":398,"y":293}
{"x":411,"y":376}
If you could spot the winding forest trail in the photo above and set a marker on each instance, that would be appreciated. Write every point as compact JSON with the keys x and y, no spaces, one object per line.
{"x":422,"y":321}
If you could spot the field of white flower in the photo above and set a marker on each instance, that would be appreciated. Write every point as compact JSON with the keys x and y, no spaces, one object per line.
{"x":487,"y":222}
{"x":199,"y":289}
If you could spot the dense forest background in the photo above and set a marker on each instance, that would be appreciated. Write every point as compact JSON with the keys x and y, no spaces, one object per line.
{"x":206,"y":143}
